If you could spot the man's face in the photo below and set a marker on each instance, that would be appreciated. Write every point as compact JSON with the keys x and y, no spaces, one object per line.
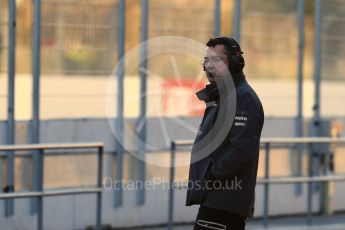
{"x":216,"y":62}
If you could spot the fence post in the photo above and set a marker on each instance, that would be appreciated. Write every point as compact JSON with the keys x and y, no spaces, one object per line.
{"x":118,"y":193}
{"x":217,"y":17}
{"x":171,"y":186}
{"x":142,"y":119}
{"x":99,"y":185}
{"x":310,"y":187}
{"x":299,"y":119}
{"x":237,"y":20}
{"x":35,"y":122}
{"x":317,"y":67}
{"x":266,"y":185}
{"x":40,"y":178}
{"x":10,"y":135}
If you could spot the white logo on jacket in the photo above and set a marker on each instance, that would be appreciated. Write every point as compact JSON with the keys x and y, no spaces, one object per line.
{"x":241,"y":118}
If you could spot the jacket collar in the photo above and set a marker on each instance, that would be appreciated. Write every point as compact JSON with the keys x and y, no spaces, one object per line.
{"x":210,"y":92}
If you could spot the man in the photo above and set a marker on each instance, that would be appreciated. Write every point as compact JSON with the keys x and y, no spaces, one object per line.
{"x":223,"y":181}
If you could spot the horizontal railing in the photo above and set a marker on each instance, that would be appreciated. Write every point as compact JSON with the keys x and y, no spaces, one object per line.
{"x":266,"y":181}
{"x":39,"y":171}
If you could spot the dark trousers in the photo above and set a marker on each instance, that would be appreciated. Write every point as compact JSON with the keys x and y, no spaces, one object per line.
{"x":210,"y":218}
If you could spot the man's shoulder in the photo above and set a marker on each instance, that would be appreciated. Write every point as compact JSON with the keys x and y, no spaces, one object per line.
{"x":245,"y":92}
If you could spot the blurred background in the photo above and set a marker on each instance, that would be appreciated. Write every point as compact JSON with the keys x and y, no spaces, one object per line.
{"x":60,"y":64}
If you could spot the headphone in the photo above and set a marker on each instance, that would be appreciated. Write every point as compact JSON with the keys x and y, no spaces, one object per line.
{"x":236,"y":60}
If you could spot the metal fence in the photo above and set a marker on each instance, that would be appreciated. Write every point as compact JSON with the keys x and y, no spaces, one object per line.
{"x":332,"y":58}
{"x":38,"y":171}
{"x":79,"y":38}
{"x":266,"y":144}
{"x":179,"y":18}
{"x":269,"y":36}
{"x":80,"y":42}
{"x":4,"y":30}
{"x":71,"y":47}
{"x":333,"y":41}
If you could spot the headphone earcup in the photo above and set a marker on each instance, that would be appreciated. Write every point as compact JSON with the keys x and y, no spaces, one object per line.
{"x":236,"y":63}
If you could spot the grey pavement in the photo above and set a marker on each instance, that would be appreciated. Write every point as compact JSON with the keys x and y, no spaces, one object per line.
{"x":334,"y":222}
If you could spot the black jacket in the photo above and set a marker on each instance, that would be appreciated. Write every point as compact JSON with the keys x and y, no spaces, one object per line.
{"x":226,"y":178}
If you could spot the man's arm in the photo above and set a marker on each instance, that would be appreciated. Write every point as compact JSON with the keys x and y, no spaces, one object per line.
{"x":242,"y":141}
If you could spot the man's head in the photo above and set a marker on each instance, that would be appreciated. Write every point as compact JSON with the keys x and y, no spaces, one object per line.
{"x":223,"y":56}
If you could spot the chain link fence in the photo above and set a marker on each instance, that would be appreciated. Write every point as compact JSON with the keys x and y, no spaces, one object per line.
{"x":333,"y":57}
{"x":79,"y":51}
{"x":179,"y":18}
{"x":78,"y":38}
{"x":269,"y":38}
{"x":333,"y":40}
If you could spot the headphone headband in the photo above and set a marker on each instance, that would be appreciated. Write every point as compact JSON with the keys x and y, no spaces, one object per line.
{"x":231,"y":44}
